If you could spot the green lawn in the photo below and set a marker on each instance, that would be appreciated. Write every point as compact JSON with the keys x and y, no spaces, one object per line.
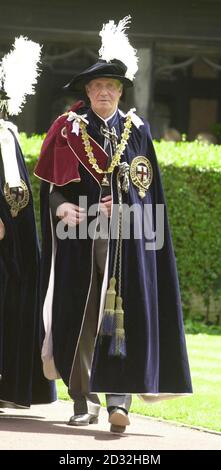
{"x":203,"y":408}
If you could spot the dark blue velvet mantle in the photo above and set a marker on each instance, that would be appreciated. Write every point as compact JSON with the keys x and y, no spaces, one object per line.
{"x":156,"y":360}
{"x":22,"y":381}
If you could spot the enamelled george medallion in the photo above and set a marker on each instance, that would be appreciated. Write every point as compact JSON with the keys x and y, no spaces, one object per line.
{"x":141,"y":174}
{"x":17,"y":198}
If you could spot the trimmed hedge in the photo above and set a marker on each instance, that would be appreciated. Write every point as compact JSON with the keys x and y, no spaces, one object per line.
{"x":192,"y":180}
{"x":191,"y":174}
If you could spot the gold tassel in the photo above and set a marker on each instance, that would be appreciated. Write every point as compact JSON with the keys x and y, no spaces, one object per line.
{"x":107,"y":326}
{"x":118,"y":344}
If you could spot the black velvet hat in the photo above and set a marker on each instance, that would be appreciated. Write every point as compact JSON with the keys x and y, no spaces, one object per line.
{"x":101,"y":69}
{"x":4,"y":98}
{"x":3,"y":95}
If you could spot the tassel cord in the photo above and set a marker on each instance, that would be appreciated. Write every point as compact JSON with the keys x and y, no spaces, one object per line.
{"x":113,"y":320}
{"x":118,"y":344}
{"x":119,"y":236}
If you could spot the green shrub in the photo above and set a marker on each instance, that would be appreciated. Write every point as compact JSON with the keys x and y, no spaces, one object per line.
{"x":31,"y":149}
{"x":191,"y":174}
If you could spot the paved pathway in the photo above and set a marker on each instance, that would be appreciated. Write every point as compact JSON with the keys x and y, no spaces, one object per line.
{"x":44,"y":427}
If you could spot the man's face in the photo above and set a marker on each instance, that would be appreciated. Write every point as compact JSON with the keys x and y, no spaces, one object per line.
{"x":104,"y":95}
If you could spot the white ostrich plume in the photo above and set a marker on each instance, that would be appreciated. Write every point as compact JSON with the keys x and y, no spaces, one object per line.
{"x":116,"y":45}
{"x":19,"y":71}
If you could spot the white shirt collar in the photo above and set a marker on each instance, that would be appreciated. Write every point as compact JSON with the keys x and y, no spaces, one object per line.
{"x":107,"y":119}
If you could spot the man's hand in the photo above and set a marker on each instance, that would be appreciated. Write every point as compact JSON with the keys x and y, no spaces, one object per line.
{"x":70,"y":214}
{"x":2,"y":230}
{"x":106,"y":205}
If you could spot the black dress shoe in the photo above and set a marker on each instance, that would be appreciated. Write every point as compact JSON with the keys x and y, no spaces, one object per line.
{"x":83,"y":419}
{"x":119,"y":420}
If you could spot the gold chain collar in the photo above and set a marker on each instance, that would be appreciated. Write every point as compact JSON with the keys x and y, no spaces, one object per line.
{"x":119,"y":150}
